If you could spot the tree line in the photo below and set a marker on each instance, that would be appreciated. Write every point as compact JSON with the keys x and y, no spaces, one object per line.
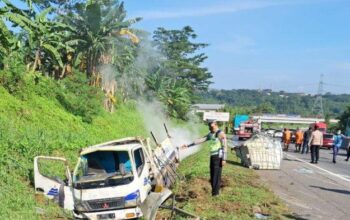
{"x":89,"y":52}
{"x":244,"y":101}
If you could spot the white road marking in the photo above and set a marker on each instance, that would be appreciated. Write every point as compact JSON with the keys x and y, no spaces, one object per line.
{"x":317,"y":167}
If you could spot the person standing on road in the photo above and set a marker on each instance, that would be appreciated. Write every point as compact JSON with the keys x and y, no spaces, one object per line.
{"x":306,"y":138}
{"x":348,"y":147}
{"x":315,"y":142}
{"x":338,"y":140}
{"x":348,"y":152}
{"x":298,"y":140}
{"x":218,"y":154}
{"x":286,"y":138}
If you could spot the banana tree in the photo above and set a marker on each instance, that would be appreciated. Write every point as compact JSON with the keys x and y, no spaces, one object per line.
{"x":106,"y":41}
{"x":172,"y":92}
{"x":44,"y":38}
{"x":6,"y":40}
{"x":100,"y":26}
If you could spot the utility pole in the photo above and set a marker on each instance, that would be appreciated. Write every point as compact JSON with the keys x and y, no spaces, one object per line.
{"x":317,"y":108}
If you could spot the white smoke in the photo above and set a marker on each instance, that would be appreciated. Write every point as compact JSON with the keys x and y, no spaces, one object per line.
{"x":154,"y":116}
{"x":131,"y":83}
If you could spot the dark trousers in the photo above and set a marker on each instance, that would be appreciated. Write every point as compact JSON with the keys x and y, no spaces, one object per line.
{"x":305,"y":147}
{"x":215,"y":174}
{"x":348,"y":156}
{"x":315,"y":153}
{"x":335,"y":153}
{"x":297,"y":147}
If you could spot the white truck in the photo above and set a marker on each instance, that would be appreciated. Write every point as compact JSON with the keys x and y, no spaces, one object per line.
{"x":121,"y":179}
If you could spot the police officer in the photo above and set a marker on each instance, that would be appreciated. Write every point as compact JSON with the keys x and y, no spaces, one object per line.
{"x":218,"y":154}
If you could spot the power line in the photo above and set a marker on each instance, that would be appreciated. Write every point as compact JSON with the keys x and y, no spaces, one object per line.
{"x":317,"y":108}
{"x":337,"y":85}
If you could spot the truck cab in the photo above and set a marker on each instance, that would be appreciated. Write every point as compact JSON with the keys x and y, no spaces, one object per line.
{"x":110,"y":180}
{"x":321,"y":126}
{"x":247,"y":129}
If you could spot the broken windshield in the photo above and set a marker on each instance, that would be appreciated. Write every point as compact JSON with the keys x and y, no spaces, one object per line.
{"x":103,"y":168}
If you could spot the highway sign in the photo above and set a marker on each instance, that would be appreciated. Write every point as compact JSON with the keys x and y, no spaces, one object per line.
{"x":218,"y":116}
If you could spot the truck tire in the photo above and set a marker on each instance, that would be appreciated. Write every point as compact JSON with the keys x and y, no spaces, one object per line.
{"x":61,"y":196}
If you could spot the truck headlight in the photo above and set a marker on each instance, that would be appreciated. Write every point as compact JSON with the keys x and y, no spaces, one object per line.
{"x":81,"y":207}
{"x":133,"y":199}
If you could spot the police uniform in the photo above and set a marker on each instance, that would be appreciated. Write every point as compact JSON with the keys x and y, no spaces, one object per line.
{"x":216,"y":157}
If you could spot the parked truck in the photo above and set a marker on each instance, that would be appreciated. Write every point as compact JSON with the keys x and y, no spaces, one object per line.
{"x":120,"y":179}
{"x":238,"y":119}
{"x":247,"y":129}
{"x":322,"y":126}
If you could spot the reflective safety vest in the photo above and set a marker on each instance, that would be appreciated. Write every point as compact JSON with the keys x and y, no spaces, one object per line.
{"x":214,"y":143}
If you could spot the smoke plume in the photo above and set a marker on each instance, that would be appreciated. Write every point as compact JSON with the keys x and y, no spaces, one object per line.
{"x":154,"y":116}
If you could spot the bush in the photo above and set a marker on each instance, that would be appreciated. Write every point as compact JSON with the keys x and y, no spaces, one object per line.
{"x":11,"y":78}
{"x":77,"y":97}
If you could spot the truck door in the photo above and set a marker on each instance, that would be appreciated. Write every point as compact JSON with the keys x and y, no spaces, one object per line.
{"x":53,"y":179}
{"x":142,"y":169}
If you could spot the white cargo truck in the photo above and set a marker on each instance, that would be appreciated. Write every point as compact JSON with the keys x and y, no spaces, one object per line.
{"x":121,"y":179}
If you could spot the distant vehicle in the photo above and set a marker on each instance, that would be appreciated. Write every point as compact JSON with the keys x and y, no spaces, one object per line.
{"x":328,"y":141}
{"x":271,"y":131}
{"x":238,"y":120}
{"x":278,"y":134}
{"x":321,"y":126}
{"x":247,"y":129}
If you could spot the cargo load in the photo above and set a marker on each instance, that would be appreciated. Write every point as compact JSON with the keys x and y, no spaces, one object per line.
{"x":260,"y":152}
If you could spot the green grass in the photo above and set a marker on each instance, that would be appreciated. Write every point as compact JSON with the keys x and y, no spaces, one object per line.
{"x":40,"y":126}
{"x":241,"y":194}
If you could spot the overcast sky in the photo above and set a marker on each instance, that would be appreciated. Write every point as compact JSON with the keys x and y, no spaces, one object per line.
{"x":271,"y":44}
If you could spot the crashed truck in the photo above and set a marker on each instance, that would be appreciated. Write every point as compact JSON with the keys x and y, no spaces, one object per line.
{"x":121,"y":179}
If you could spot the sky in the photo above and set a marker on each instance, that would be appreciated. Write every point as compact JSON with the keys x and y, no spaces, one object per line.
{"x":262,"y":44}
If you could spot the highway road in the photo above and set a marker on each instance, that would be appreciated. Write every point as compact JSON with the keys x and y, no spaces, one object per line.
{"x":312,"y":191}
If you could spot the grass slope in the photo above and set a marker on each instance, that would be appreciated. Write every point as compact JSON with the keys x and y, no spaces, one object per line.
{"x":242,"y":194}
{"x":39,"y":126}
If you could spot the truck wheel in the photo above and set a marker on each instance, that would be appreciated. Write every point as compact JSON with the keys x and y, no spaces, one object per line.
{"x":61,"y":196}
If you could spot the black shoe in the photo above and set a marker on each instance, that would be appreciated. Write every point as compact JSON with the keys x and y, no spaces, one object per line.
{"x":312,"y":162}
{"x":334,"y":161}
{"x":346,"y":159}
{"x":316,"y":162}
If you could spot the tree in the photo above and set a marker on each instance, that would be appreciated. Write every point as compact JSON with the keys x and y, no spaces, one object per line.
{"x":6,"y":41}
{"x":43,"y":38}
{"x":99,"y":26}
{"x":106,"y":43}
{"x":264,"y":108}
{"x":172,"y":93}
{"x":178,"y":73}
{"x":183,"y":61}
{"x":344,"y":120}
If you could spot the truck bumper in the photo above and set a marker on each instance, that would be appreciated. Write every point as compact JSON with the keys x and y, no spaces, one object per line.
{"x":130,"y":213}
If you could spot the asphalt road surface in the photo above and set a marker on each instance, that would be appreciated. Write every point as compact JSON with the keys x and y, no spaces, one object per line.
{"x":312,"y":191}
